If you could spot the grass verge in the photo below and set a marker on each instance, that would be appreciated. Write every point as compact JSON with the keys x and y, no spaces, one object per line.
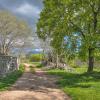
{"x":79,"y":85}
{"x":6,"y":82}
{"x":37,"y":64}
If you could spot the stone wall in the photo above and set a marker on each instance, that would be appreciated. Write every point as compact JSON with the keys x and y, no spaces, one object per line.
{"x":7,"y":64}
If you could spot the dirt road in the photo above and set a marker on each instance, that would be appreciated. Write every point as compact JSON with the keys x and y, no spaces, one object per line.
{"x":37,"y":86}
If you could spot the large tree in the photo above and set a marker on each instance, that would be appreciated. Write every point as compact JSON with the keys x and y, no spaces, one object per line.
{"x":14,"y":33}
{"x":79,"y":20}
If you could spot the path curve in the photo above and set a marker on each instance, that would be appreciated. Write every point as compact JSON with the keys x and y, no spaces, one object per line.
{"x":34,"y":87}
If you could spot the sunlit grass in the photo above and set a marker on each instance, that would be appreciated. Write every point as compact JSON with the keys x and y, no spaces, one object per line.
{"x":79,"y":84}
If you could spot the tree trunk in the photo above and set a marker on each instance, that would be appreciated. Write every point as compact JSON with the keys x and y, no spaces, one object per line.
{"x":57,"y":61}
{"x":91,"y":59}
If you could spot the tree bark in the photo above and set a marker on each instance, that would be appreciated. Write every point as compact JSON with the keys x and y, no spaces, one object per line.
{"x":57,"y":61}
{"x":91,"y":60}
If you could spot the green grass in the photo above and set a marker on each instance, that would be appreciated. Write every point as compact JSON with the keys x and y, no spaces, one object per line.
{"x":79,"y":85}
{"x":37,"y":64}
{"x":6,"y":82}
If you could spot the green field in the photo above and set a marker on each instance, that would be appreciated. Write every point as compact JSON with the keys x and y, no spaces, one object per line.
{"x":79,"y":85}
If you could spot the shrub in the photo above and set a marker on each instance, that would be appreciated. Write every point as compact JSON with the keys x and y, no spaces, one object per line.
{"x":21,"y":68}
{"x":39,"y":66}
{"x":36,"y":57}
{"x":75,"y":66}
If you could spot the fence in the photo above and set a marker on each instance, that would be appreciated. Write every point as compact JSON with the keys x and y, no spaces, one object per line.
{"x":7,"y":64}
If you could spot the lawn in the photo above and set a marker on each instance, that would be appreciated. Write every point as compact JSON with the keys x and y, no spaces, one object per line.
{"x":6,"y":82}
{"x":79,"y":85}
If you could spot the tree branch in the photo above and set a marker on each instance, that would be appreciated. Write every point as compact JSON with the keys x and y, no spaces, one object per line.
{"x":79,"y":29}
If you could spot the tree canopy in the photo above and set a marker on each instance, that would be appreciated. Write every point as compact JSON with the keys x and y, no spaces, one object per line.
{"x":79,"y":20}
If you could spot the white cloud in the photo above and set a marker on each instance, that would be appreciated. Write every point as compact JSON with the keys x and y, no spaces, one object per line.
{"x":28,"y":10}
{"x":39,"y":50}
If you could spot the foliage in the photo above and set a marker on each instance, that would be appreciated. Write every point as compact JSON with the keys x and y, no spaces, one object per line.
{"x":21,"y":68}
{"x":6,"y":82}
{"x":36,"y":57}
{"x":76,"y":20}
{"x":80,"y":85}
{"x":39,"y":65}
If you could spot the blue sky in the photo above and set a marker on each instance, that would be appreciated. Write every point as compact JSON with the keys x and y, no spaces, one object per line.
{"x":27,"y":10}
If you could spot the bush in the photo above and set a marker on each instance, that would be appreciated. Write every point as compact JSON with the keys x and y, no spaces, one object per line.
{"x":21,"y":68}
{"x":36,"y":57}
{"x":39,"y":66}
{"x":75,"y":66}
